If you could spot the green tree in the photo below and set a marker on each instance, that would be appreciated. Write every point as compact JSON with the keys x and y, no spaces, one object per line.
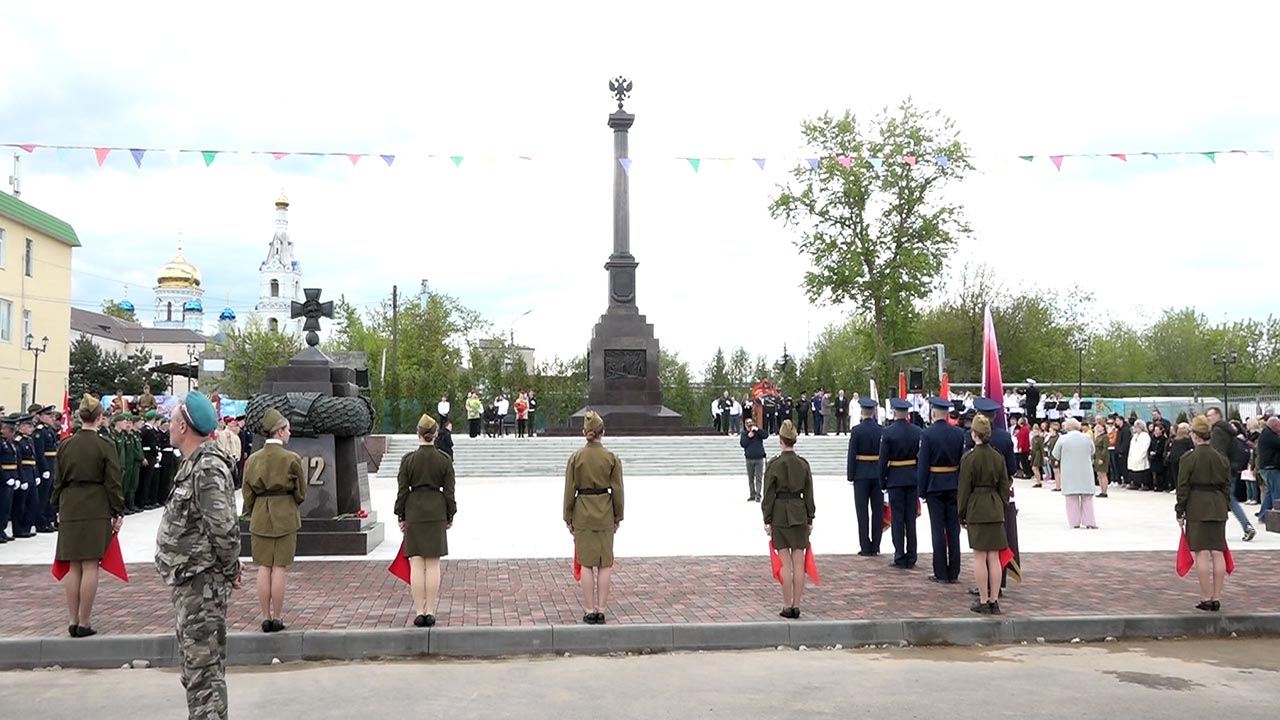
{"x":248,"y":352}
{"x":101,"y":372}
{"x":716,"y":374}
{"x":739,"y":368}
{"x":875,"y":226}
{"x":677,"y":387}
{"x":112,"y":308}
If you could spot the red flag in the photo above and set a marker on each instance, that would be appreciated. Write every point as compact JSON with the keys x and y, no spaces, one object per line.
{"x":945,"y":391}
{"x":66,"y":415}
{"x":992,"y":383}
{"x":810,"y":564}
{"x":577,"y":566}
{"x":400,"y":566}
{"x":902,"y":385}
{"x":1007,"y":560}
{"x":888,"y":517}
{"x":112,"y":562}
{"x":1186,"y":560}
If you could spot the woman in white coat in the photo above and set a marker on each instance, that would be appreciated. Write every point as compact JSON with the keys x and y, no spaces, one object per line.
{"x":1074,"y":453}
{"x":1139,"y":463}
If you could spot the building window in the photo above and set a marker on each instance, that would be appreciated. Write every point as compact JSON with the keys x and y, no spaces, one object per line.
{"x":168,"y":312}
{"x":273,"y":324}
{"x":26,"y":392}
{"x":26,"y":323}
{"x":275,"y":288}
{"x":26,"y":258}
{"x":6,"y":322}
{"x":1,"y":247}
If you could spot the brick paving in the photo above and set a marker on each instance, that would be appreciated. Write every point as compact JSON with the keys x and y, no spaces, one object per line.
{"x":361,"y":594}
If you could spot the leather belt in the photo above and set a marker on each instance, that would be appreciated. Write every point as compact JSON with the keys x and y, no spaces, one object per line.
{"x":274,"y":493}
{"x":789,"y":495}
{"x":420,"y":488}
{"x":943,"y":469}
{"x":867,"y":458}
{"x":902,"y":463}
{"x":593,"y":491}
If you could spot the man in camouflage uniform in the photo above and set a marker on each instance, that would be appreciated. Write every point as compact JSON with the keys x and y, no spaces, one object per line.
{"x":197,"y":554}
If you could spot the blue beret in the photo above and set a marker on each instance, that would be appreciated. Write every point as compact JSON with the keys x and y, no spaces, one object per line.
{"x":940,"y":403}
{"x":899,"y":404}
{"x":867,"y":403}
{"x":204,"y":419}
{"x":985,"y":405}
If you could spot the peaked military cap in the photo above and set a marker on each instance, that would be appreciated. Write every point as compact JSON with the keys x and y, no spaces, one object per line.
{"x":940,"y":403}
{"x":985,"y":405}
{"x":899,"y":404}
{"x":867,"y":403}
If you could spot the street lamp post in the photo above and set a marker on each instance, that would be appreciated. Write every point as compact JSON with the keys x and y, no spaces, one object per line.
{"x":511,"y":329}
{"x":191,"y":358}
{"x":1226,"y":359}
{"x":36,"y":351}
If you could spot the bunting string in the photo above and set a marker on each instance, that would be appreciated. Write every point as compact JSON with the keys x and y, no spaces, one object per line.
{"x":102,"y":153}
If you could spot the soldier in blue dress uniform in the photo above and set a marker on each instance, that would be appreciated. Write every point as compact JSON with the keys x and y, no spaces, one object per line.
{"x":45,"y":439}
{"x":1001,"y":440}
{"x":8,"y":475}
{"x":864,"y":473}
{"x":26,"y":498}
{"x":899,"y":450}
{"x":938,"y":471}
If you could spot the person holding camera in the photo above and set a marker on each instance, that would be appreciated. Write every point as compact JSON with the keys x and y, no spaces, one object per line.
{"x":752,"y":442}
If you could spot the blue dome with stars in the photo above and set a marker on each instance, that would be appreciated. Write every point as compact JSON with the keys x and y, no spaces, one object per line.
{"x":227,"y":314}
{"x":125,"y":305}
{"x":193,"y":306}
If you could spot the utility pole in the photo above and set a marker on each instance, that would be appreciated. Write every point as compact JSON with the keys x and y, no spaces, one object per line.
{"x":15,"y":180}
{"x":394,"y":398}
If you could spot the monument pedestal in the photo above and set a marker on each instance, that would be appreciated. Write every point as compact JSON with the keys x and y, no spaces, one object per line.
{"x":328,"y":418}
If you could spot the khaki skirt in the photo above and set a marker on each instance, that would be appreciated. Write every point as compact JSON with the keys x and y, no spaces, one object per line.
{"x":1207,"y":535}
{"x":593,"y":548}
{"x":987,"y":536}
{"x":80,"y":540}
{"x":426,"y":539}
{"x":274,"y":551}
{"x":795,"y":537}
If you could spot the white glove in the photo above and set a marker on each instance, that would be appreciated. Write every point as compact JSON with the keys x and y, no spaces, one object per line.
{"x":45,"y":475}
{"x":23,"y":486}
{"x":37,"y":482}
{"x":12,"y":482}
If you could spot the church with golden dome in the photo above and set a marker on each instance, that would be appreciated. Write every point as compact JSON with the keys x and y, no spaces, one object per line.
{"x":179,"y":295}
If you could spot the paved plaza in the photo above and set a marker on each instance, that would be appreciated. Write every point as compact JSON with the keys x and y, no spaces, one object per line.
{"x":699,"y":560}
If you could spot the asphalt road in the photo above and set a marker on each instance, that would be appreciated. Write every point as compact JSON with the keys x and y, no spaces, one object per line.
{"x":1169,"y":680}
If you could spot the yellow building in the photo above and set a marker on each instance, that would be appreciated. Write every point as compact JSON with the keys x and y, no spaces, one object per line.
{"x":35,"y":303}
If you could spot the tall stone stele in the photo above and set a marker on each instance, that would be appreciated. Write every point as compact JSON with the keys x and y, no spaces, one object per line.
{"x":622,"y":365}
{"x":329,"y":419}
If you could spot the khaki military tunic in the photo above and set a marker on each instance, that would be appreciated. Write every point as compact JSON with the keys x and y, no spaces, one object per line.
{"x":787,"y":503}
{"x":87,"y":494}
{"x":425,"y":501}
{"x":274,"y":486}
{"x":983,"y":496}
{"x":593,"y":503}
{"x":1204,"y":492}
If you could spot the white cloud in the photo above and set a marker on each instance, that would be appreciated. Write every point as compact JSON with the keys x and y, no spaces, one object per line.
{"x":712,"y":79}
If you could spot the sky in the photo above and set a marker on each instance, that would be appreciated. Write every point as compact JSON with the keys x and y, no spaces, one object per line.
{"x":497,"y":81}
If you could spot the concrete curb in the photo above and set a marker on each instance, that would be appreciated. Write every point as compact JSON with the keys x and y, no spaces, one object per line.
{"x":260,"y":649}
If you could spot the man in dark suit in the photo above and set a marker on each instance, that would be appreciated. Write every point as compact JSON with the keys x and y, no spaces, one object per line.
{"x":1033,"y":400}
{"x":819,"y":413}
{"x":803,"y":408}
{"x":863,"y":472}
{"x":938,"y":471}
{"x":899,"y":452}
{"x":842,"y":413}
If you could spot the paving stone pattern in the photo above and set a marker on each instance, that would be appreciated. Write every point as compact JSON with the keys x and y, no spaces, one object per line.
{"x":362,"y":594}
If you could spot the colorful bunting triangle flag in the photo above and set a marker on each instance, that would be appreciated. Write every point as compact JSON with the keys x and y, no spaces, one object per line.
{"x":1212,"y":156}
{"x":30,"y":148}
{"x":813,"y":162}
{"x":909,"y":159}
{"x":760,"y":162}
{"x":101,"y":154}
{"x":174,"y":156}
{"x":1028,"y":158}
{"x":62,"y":154}
{"x":1270,"y":153}
{"x":209,"y":155}
{"x":279,"y":155}
{"x":1057,"y":161}
{"x":137,"y":155}
{"x":942,"y":161}
{"x":626,"y":165}
{"x":354,"y":158}
{"x":457,"y":160}
{"x":1154,"y":156}
{"x":844,"y":162}
{"x":1120,"y":156}
{"x":876,"y":162}
{"x":388,"y":159}
{"x":694,"y":163}
{"x":728,"y":162}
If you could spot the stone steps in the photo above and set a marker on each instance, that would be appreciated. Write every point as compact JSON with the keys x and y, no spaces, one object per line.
{"x":546,"y":456}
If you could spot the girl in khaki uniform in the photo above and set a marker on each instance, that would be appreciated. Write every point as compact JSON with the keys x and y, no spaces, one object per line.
{"x":89,"y":500}
{"x":1204,"y":495}
{"x":592,"y":512}
{"x":788,"y":510}
{"x":425,"y":507}
{"x":982,"y":498}
{"x":274,"y":487}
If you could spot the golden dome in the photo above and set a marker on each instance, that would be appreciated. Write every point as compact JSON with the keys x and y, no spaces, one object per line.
{"x":179,"y":273}
{"x":282,"y":201}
